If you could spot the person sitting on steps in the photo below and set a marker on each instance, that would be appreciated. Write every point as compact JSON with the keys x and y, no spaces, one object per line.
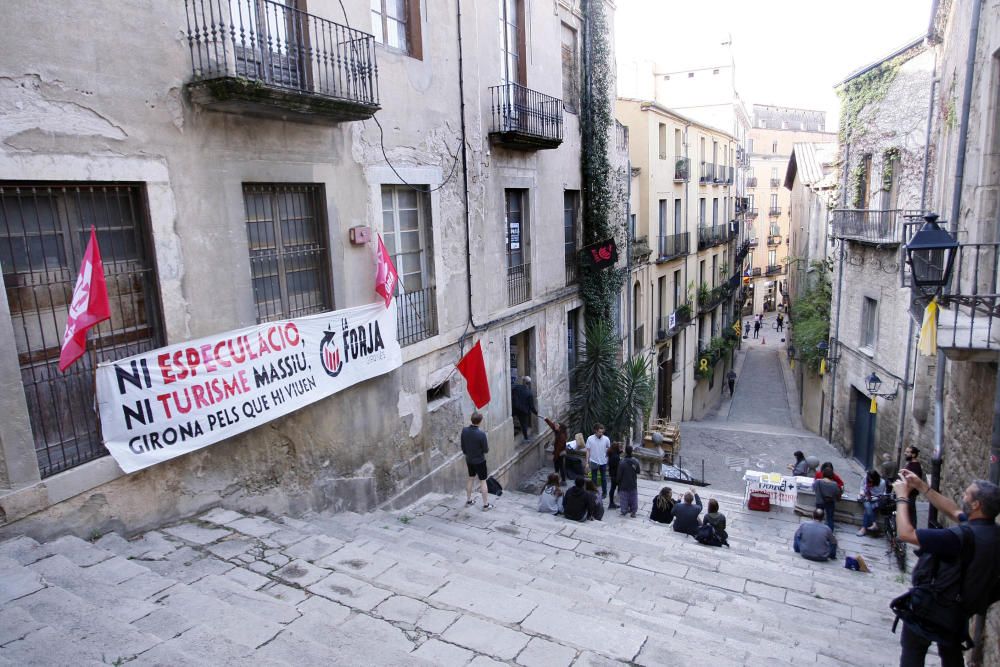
{"x":663,"y":506}
{"x":686,"y":514}
{"x":717,"y":520}
{"x":872,"y":489}
{"x":814,"y":540}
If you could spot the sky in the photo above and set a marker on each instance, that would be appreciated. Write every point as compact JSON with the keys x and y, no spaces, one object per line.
{"x":787,"y":52}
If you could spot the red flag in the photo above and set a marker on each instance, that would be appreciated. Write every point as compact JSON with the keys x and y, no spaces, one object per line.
{"x":88,"y":307}
{"x":385,"y":273}
{"x":473,"y":369}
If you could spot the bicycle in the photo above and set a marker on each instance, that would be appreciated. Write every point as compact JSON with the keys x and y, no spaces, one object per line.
{"x":897,"y":548}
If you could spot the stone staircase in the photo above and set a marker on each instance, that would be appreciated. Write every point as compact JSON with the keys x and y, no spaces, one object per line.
{"x":443,"y":584}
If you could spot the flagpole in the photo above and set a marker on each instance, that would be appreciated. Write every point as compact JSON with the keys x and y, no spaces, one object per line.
{"x":93,"y":386}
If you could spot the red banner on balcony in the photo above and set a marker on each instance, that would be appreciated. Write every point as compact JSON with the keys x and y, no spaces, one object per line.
{"x":601,"y":255}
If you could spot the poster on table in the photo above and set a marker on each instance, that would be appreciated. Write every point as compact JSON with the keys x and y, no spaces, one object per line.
{"x":173,"y":400}
{"x":782,"y":489}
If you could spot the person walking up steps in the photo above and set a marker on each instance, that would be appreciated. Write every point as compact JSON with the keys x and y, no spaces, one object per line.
{"x":475,"y":447}
{"x":781,"y":322}
{"x":628,"y":483}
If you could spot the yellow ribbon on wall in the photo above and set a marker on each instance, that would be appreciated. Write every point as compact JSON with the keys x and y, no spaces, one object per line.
{"x":822,"y":366}
{"x":874,"y":407}
{"x":928,"y":330}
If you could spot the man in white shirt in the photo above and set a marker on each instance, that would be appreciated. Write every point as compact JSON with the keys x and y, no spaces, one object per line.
{"x":597,"y":457}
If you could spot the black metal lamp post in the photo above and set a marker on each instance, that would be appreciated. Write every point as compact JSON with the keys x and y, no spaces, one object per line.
{"x":931,"y":256}
{"x":873,"y":382}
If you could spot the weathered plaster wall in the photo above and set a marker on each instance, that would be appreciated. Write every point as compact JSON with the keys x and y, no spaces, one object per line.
{"x":103,"y":100}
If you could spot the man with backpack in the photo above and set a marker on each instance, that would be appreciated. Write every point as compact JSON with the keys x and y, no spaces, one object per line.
{"x":957,"y":574}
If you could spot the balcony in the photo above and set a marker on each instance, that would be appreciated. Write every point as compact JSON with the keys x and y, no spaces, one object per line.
{"x":872,"y":227}
{"x":710,"y":299}
{"x":416,"y":316}
{"x":679,"y":319}
{"x":638,"y":337}
{"x":524,"y":119}
{"x":682,"y":169}
{"x":641,"y":250}
{"x":707,"y":174}
{"x":717,"y":174}
{"x":572,"y":268}
{"x":969,"y":319}
{"x":518,"y":284}
{"x":774,"y":269}
{"x":775,"y":182}
{"x":773,"y":241}
{"x":752,"y":182}
{"x":753,"y":242}
{"x":755,"y":272}
{"x":774,"y":211}
{"x":672,"y":246}
{"x":263,"y":58}
{"x":742,"y":252}
{"x":709,"y":237}
{"x":752,"y":213}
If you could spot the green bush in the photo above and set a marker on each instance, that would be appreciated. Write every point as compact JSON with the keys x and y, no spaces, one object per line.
{"x":812,"y":316}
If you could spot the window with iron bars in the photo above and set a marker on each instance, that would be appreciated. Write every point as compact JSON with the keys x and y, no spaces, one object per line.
{"x":406,"y":226}
{"x":44,"y":230}
{"x":289,"y":268}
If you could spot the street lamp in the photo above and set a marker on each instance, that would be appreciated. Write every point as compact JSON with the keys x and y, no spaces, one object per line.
{"x":931,"y":256}
{"x":873,"y":382}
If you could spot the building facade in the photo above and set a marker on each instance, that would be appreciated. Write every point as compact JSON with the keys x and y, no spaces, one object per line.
{"x":234,"y":157}
{"x":775,"y":130}
{"x":684,"y":281}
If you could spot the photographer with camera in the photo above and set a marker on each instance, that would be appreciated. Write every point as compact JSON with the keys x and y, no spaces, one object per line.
{"x":957,"y":573}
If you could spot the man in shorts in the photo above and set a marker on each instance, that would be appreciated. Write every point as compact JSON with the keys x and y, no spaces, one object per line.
{"x":475,"y":447}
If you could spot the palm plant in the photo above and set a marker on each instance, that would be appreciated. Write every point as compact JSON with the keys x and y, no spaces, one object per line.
{"x":616,"y":395}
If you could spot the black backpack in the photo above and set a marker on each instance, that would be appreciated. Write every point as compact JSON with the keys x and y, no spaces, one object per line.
{"x":708,"y":535}
{"x":493,"y":487}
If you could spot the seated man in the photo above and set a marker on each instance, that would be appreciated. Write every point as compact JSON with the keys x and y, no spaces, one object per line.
{"x":686,"y":514}
{"x":814,"y":540}
{"x":576,"y":502}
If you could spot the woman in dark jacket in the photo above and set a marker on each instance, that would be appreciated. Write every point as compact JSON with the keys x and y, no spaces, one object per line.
{"x":717,"y":520}
{"x":663,"y":506}
{"x":614,"y":460}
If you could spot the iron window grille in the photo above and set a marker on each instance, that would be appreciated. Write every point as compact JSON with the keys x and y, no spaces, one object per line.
{"x":289,"y":268}
{"x":44,"y":231}
{"x":406,"y":225}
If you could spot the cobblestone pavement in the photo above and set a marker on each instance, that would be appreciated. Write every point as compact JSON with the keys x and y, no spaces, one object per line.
{"x":758,"y":428}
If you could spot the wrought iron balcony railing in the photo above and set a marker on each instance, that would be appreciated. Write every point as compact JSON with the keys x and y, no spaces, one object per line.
{"x":681,"y":318}
{"x":713,"y":236}
{"x":264,"y":58}
{"x":751,"y":213}
{"x":774,"y":211}
{"x":706,"y":174}
{"x":416,"y":316}
{"x":775,"y":183}
{"x":752,"y":182}
{"x":774,"y":269}
{"x":682,"y":169}
{"x":711,"y":299}
{"x":753,"y":242}
{"x":968,"y":327}
{"x":773,"y":241}
{"x":525,"y":119}
{"x":673,"y":245}
{"x":518,"y":284}
{"x":717,"y":175}
{"x":870,"y":226}
{"x":755,"y":271}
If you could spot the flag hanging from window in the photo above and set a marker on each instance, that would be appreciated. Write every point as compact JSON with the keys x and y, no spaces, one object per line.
{"x":386,"y":276}
{"x":473,"y":369}
{"x":88,"y":307}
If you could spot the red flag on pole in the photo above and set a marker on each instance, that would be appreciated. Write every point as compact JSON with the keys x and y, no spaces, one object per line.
{"x":473,"y":369}
{"x":385,"y":273}
{"x":88,"y":307}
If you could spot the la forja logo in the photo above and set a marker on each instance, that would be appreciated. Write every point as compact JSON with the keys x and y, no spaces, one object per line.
{"x":329,"y":353}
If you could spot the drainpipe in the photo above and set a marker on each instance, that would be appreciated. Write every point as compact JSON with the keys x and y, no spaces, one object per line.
{"x":465,"y":165}
{"x":687,"y":185}
{"x":956,"y":202}
{"x":923,"y":206}
{"x":836,"y":337}
{"x":630,"y":332}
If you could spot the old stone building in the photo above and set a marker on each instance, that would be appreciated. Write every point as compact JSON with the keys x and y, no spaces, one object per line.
{"x":683,"y":289}
{"x":237,"y":158}
{"x":775,"y":130}
{"x":884,"y":129}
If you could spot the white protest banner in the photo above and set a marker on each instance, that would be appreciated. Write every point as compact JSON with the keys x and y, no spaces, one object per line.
{"x":782,"y":489}
{"x":177,"y":399}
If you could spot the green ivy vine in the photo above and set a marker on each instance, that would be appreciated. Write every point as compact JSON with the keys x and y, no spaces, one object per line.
{"x":603,"y":192}
{"x":856,"y":184}
{"x":889,"y":159}
{"x":864,"y":90}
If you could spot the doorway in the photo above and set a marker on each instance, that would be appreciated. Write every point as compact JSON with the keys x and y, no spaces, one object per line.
{"x":522,"y":363}
{"x":864,"y":429}
{"x":664,"y":383}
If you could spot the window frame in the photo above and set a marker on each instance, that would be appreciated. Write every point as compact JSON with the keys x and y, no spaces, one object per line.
{"x":571,"y":88}
{"x":868,"y":335}
{"x":417,"y":318}
{"x":412,"y":28}
{"x":316,"y":193}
